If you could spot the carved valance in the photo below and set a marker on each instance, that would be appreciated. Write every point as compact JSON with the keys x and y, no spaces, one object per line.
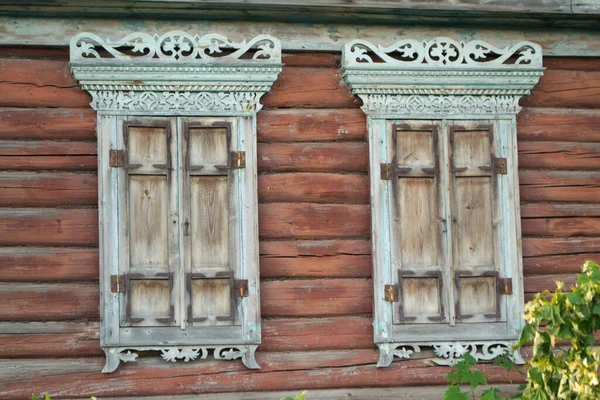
{"x":441,"y":77}
{"x":176,"y":73}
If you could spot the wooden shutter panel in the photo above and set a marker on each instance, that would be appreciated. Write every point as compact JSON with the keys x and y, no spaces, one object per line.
{"x":148,"y":194}
{"x":417,"y":223}
{"x":475,"y":219}
{"x":207,"y":201}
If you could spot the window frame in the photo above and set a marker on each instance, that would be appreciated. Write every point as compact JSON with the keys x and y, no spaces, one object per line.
{"x":440,"y":81}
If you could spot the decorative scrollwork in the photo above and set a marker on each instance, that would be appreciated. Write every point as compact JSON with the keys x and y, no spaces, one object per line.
{"x":442,"y":52}
{"x":448,"y":353}
{"x":174,"y":46}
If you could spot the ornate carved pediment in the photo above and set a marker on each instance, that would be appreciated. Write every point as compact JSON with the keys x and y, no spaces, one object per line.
{"x":176,"y":73}
{"x":441,"y":78}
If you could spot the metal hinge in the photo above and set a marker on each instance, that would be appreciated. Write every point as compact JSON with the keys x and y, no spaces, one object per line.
{"x":241,"y":288}
{"x":506,"y":286}
{"x":501,"y":166}
{"x":117,"y":284}
{"x":390,"y":293}
{"x":117,"y":158}
{"x":386,"y":171}
{"x":238,"y":159}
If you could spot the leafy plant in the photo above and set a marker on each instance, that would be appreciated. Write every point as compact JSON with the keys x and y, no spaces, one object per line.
{"x":569,"y":372}
{"x":461,"y":374}
{"x":299,"y":396}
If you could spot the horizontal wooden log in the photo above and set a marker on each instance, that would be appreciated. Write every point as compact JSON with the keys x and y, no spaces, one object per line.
{"x":539,"y":283}
{"x":535,"y":247}
{"x":48,"y":123}
{"x":295,"y":298}
{"x":54,"y":73}
{"x":313,"y":221}
{"x":561,"y":227}
{"x":317,"y":334}
{"x":576,"y":186}
{"x":569,"y":63}
{"x":33,"y":163}
{"x":343,"y":266}
{"x":30,"y":189}
{"x":313,"y":187}
{"x":310,"y":88}
{"x":564,"y":264}
{"x":31,"y":264}
{"x":49,"y":339}
{"x":558,"y":124}
{"x":533,"y":210}
{"x":46,"y":148}
{"x":76,"y":378}
{"x":314,"y":248}
{"x":559,"y":155}
{"x":313,"y":157}
{"x":312,"y":59}
{"x":48,"y":227}
{"x":566,"y":88}
{"x":35,"y":52}
{"x":305,"y":125}
{"x":31,"y":95}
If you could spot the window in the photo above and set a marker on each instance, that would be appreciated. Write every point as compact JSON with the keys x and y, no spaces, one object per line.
{"x":177,"y":191}
{"x":444,"y":192}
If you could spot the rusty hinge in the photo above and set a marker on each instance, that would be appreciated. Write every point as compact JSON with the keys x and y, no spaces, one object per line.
{"x":241,"y":288}
{"x":390,"y":293}
{"x":386,"y":171}
{"x":506,"y":286}
{"x":238,"y":159}
{"x":501,"y":166}
{"x":117,"y":158}
{"x":117,"y":284}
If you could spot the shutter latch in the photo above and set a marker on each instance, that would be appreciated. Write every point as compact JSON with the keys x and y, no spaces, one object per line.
{"x":500,"y":166}
{"x":117,"y":158}
{"x":390,"y":293}
{"x":238,"y":159}
{"x":506,"y":287}
{"x":386,"y":171}
{"x":241,"y":288}
{"x":117,"y":284}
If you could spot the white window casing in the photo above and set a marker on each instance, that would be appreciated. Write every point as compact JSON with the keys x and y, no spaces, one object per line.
{"x":177,"y":179}
{"x":446,"y":237}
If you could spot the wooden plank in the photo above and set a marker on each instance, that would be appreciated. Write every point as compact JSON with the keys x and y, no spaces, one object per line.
{"x":35,"y":52}
{"x":44,"y":155}
{"x":561,"y":227}
{"x":313,"y":157}
{"x":580,"y":186}
{"x":539,"y":283}
{"x":280,"y":371}
{"x":31,"y":95}
{"x":563,"y":264}
{"x":314,"y":248}
{"x":533,"y":210}
{"x":31,"y":264}
{"x":533,"y":247}
{"x":65,"y":163}
{"x":313,"y":221}
{"x":342,"y":266}
{"x":580,"y":63}
{"x":30,"y":189}
{"x":312,"y":59}
{"x":48,"y":227}
{"x":313,"y":187}
{"x":565,"y":88}
{"x":54,"y":73}
{"x":327,"y":333}
{"x":48,"y":123}
{"x":558,"y":124}
{"x":309,"y":88}
{"x":54,"y":302}
{"x":306,"y":125}
{"x":559,"y":155}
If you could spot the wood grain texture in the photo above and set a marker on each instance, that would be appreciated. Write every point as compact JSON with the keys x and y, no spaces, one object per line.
{"x":576,"y":186}
{"x":563,"y":264}
{"x":532,"y":210}
{"x":48,"y":227}
{"x":30,"y":264}
{"x":309,"y":87}
{"x":558,"y":124}
{"x":307,"y":125}
{"x":561,"y":227}
{"x":48,"y":123}
{"x":313,"y":157}
{"x":313,"y":187}
{"x":48,"y":189}
{"x":559,"y":155}
{"x":314,"y":248}
{"x":539,"y":283}
{"x":314,"y":221}
{"x":341,"y":266}
{"x":565,"y":88}
{"x":534,"y":247}
{"x":327,"y":60}
{"x":47,"y":155}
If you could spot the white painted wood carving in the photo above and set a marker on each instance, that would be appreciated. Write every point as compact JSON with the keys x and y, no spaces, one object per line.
{"x":445,"y":220}
{"x":178,"y":204}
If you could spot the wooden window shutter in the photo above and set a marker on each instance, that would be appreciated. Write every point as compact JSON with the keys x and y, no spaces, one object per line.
{"x":149,"y":197}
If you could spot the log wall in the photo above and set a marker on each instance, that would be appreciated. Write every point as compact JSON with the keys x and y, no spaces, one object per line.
{"x":314,"y":229}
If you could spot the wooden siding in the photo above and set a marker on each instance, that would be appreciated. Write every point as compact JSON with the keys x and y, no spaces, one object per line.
{"x":316,"y":292}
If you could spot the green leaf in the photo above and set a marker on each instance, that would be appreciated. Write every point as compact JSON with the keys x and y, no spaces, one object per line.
{"x":527,"y":335}
{"x":574,"y":298}
{"x":47,"y":397}
{"x":491,"y":394}
{"x":477,"y":378}
{"x":454,"y":393}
